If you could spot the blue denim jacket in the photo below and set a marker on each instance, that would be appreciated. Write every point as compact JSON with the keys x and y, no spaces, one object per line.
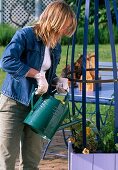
{"x":25,"y":51}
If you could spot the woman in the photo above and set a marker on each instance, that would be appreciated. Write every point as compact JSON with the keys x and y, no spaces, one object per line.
{"x":30,"y":60}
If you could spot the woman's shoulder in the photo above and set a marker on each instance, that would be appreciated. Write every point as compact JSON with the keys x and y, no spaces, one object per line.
{"x":27,"y":30}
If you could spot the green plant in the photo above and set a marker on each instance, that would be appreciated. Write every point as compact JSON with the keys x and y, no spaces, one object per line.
{"x":106,"y":135}
{"x":96,"y":141}
{"x":77,"y":137}
{"x":103,"y":34}
{"x":6,"y":33}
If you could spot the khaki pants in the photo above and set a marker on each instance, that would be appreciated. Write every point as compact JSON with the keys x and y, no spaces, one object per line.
{"x":12,"y":129}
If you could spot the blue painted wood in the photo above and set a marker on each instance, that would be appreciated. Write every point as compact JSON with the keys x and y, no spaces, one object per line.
{"x":97,"y":105}
{"x":116,"y":161}
{"x":85,"y":42}
{"x":0,"y":64}
{"x":106,"y":64}
{"x":106,"y":91}
{"x":99,"y":96}
{"x":105,"y":95}
{"x":104,"y":162}
{"x":81,"y":162}
{"x":94,"y":161}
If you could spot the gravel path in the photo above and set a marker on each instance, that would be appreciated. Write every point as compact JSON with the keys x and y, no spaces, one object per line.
{"x":56,"y":155}
{"x":58,"y":159}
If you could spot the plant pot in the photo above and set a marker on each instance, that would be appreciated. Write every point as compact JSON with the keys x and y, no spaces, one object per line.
{"x":95,"y":161}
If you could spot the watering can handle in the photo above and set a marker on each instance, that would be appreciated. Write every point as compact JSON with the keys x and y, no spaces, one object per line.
{"x":66,"y":96}
{"x":40,"y":98}
{"x":66,"y":99}
{"x":32,"y":99}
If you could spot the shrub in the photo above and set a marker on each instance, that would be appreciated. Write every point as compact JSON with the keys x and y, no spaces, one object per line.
{"x":6,"y":33}
{"x":103,"y":35}
{"x":116,"y":33}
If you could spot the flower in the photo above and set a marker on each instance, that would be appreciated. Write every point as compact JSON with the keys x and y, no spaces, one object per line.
{"x":88,"y":131}
{"x":72,"y":139}
{"x":78,"y":138}
{"x":96,"y":141}
{"x":85,"y":151}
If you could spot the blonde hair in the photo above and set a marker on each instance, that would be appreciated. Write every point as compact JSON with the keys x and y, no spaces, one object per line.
{"x":55,"y":17}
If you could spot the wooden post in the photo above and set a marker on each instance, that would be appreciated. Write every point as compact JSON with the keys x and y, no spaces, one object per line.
{"x":38,"y":8}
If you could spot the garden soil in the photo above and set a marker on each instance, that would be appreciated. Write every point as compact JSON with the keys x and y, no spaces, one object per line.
{"x":56,"y":155}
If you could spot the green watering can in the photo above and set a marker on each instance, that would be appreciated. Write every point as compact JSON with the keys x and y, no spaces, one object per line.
{"x":47,"y":115}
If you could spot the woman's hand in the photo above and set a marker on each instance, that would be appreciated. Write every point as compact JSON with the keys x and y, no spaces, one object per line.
{"x":41,"y":80}
{"x":42,"y":83}
{"x":61,"y":85}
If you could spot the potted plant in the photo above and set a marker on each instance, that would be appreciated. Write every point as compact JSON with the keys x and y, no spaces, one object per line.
{"x":100,"y":152}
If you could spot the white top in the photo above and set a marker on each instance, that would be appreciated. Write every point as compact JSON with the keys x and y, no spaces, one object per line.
{"x":47,"y":60}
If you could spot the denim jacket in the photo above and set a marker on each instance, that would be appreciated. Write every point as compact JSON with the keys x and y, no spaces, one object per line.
{"x":25,"y":51}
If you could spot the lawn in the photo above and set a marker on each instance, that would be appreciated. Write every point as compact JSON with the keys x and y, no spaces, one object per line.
{"x":104,"y":53}
{"x":2,"y":74}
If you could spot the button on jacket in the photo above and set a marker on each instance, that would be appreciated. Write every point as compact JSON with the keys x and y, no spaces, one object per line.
{"x":25,"y":51}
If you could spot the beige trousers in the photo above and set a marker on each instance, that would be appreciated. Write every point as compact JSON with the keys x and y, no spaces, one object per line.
{"x":12,"y":130}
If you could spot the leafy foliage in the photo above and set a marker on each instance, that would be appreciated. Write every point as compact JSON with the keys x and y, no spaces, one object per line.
{"x":6,"y":33}
{"x":106,"y":134}
{"x":97,"y":141}
{"x":102,"y":12}
{"x":77,"y":138}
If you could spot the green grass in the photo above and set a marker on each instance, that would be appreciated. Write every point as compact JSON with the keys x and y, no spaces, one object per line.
{"x":104,"y":54}
{"x":1,"y":50}
{"x":2,"y":74}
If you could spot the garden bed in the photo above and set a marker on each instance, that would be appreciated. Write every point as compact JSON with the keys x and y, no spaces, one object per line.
{"x":93,"y":161}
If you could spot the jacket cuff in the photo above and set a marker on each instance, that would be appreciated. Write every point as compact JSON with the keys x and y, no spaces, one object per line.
{"x":21,"y":72}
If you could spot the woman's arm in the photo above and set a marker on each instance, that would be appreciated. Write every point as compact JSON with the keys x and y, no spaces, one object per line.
{"x":31,"y":73}
{"x":11,"y":62}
